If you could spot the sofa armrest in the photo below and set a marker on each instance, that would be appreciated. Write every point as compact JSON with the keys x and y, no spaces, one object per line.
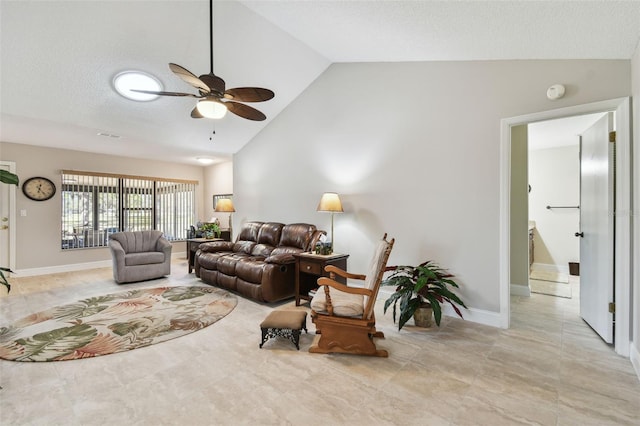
{"x":281,"y":259}
{"x":116,"y":248}
{"x":165,"y":246}
{"x":117,"y":257}
{"x":216,"y":246}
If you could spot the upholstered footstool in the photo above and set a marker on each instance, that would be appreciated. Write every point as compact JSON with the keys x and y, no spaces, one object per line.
{"x":285,"y":323}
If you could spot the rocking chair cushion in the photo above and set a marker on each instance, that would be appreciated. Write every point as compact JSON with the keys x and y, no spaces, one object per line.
{"x":376,"y":264}
{"x":344,"y":304}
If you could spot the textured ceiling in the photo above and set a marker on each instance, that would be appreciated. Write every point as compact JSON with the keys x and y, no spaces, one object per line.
{"x":393,"y":31}
{"x":57,"y":58}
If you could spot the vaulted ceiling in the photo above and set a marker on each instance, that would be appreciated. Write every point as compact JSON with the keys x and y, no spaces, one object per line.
{"x":58,"y":58}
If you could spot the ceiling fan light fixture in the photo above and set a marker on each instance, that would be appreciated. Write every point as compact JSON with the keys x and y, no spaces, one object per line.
{"x":124,"y":81}
{"x":211,"y":108}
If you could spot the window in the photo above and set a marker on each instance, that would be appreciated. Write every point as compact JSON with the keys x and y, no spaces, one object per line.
{"x":95,"y":205}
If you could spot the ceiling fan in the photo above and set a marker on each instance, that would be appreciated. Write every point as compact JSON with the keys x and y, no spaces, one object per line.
{"x":215,"y":99}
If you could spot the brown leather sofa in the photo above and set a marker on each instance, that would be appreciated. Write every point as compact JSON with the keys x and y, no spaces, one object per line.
{"x":260,"y":263}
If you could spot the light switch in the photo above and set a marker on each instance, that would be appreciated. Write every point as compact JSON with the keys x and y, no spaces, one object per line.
{"x":23,"y":212}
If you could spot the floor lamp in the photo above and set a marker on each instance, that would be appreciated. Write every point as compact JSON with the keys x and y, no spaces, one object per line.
{"x":225,"y":205}
{"x":330,"y":202}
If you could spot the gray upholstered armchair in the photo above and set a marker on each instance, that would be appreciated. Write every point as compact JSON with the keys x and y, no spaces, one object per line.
{"x":139,"y":255}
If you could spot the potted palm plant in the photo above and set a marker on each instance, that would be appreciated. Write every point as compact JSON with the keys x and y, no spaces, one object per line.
{"x":10,"y":179}
{"x":420,"y":291}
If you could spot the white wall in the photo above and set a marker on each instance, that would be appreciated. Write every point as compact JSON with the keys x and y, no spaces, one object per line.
{"x":218,"y":179}
{"x":413,"y":150}
{"x":554,"y":176}
{"x":38,"y":233}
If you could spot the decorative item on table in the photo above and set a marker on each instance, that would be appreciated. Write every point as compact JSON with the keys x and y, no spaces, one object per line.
{"x":420,"y":290}
{"x":330,"y":202}
{"x":210,"y":230}
{"x":323,"y":246}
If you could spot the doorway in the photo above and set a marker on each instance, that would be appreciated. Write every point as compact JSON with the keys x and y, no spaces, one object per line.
{"x":622,"y":282}
{"x":554,"y":204}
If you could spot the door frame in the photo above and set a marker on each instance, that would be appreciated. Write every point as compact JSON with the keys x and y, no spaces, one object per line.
{"x":622,"y":267}
{"x":12,"y":216}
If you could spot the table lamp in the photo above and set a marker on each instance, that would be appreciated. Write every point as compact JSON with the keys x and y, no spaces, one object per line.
{"x":225,"y":205}
{"x":330,"y":202}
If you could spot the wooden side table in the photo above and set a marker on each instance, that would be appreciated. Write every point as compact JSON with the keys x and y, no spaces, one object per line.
{"x":310,"y":267}
{"x":192,"y":248}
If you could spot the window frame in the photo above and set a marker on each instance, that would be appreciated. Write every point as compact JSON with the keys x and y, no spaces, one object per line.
{"x":171,"y":200}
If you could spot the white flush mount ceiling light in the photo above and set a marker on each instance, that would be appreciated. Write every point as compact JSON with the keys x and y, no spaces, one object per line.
{"x":204,"y":160}
{"x":125,"y":81}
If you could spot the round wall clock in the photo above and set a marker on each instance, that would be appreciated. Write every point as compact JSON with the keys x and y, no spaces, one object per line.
{"x":38,"y":188}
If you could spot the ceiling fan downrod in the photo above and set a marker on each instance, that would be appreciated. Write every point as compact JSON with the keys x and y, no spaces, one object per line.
{"x":211,"y":34}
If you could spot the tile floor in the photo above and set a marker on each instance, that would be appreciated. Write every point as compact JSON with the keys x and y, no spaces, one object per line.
{"x":548,"y":369}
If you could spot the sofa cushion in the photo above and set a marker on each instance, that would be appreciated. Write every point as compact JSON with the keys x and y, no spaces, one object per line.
{"x":227,"y":264}
{"x":261,"y":250}
{"x":270,"y":233}
{"x":244,"y":247}
{"x":250,"y":270}
{"x":297,"y":235}
{"x":131,"y":259}
{"x":210,"y":260}
{"x":249,"y":231}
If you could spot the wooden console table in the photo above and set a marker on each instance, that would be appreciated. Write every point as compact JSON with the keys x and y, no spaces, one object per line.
{"x":192,"y":248}
{"x":310,"y":267}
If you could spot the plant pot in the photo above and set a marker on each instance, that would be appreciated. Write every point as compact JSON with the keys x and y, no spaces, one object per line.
{"x":423,"y":316}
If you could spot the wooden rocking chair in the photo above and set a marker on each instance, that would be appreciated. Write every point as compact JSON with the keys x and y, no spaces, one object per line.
{"x":344,"y":317}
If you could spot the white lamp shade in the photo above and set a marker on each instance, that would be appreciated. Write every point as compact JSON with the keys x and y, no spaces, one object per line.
{"x":330,"y":202}
{"x":225,"y":205}
{"x":211,"y":108}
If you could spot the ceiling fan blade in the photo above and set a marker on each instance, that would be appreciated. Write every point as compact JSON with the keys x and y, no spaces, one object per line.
{"x":215,"y":83}
{"x":151,"y":92}
{"x":245,"y":111}
{"x":189,"y":77}
{"x":249,"y":94}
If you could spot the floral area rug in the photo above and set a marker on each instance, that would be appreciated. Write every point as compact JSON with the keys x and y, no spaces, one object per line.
{"x":114,"y":323}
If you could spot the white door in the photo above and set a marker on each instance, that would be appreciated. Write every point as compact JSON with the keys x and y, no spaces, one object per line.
{"x":5,"y":209}
{"x":597,"y":227}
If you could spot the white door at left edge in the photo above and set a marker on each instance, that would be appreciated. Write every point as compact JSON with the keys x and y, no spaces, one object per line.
{"x":5,"y":209}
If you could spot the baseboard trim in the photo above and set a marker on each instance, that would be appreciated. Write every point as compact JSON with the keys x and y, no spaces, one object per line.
{"x":635,"y":358}
{"x":47,"y":270}
{"x":520,"y":290}
{"x":547,"y":267}
{"x":480,"y":316}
